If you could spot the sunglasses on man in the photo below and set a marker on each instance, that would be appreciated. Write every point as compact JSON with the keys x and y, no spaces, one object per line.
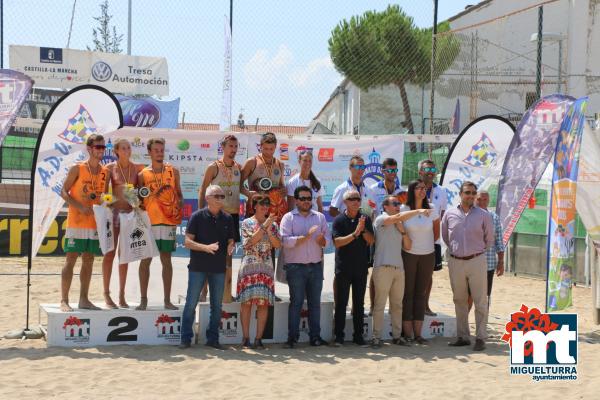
{"x":264,"y":202}
{"x":391,"y":170}
{"x":304,"y":198}
{"x":353,"y":199}
{"x":98,"y":146}
{"x":359,"y":167}
{"x":470,"y":193}
{"x":218,"y":196}
{"x":432,"y":170}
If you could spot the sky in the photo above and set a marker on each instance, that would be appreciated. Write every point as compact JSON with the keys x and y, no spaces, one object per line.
{"x":282,"y":72}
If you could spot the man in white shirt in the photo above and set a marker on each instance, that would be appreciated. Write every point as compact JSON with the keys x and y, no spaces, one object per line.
{"x":357,"y":170}
{"x":390,"y":185}
{"x":437,"y":196}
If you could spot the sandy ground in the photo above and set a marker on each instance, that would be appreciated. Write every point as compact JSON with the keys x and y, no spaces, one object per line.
{"x":29,"y":369}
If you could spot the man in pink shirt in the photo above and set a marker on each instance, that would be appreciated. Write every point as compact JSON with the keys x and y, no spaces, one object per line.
{"x":468,"y":231}
{"x":305,"y":233}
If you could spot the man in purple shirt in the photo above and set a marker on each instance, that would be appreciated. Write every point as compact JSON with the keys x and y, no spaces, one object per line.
{"x":468,"y":231}
{"x":305,"y":233}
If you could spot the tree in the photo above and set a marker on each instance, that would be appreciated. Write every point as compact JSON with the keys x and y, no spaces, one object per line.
{"x":104,"y":40}
{"x":382,"y":48}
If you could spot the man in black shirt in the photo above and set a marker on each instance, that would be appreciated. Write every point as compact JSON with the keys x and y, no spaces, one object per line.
{"x":210,"y":238}
{"x":352,"y":236}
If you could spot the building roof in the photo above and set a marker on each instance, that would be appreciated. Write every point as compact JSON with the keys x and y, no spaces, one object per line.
{"x":468,"y":9}
{"x":281,"y":129}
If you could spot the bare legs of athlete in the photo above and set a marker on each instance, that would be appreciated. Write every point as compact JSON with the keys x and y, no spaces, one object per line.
{"x":85,"y":277}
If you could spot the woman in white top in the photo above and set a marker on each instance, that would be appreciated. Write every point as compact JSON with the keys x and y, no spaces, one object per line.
{"x":305,"y":178}
{"x":419,"y":261}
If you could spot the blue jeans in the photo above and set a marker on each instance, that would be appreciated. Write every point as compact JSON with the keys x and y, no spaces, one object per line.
{"x":216,"y":285}
{"x":304,"y":278}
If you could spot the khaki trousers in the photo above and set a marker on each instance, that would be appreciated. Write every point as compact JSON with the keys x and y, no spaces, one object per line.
{"x":389,"y":282}
{"x":471,"y":274}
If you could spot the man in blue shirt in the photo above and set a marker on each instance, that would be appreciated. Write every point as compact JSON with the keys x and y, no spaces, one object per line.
{"x":210,"y":237}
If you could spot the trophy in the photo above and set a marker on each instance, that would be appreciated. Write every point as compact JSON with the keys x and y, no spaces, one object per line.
{"x":265,"y":184}
{"x":144,"y":192}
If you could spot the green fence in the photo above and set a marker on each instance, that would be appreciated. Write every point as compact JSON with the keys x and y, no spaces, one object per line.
{"x":16,"y":154}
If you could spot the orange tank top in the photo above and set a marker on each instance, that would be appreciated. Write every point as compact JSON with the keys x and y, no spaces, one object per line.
{"x":87,"y":190}
{"x":162,"y":204}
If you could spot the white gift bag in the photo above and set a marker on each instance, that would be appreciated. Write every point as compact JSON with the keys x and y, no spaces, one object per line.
{"x":104,"y":226}
{"x":136,"y":240}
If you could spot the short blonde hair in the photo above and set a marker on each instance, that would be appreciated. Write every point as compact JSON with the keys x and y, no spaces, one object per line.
{"x":118,"y":142}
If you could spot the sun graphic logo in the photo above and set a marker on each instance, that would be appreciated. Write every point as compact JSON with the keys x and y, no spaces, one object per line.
{"x":436,"y":328}
{"x":168,"y":327}
{"x":229,"y":324}
{"x":304,"y":325}
{"x":79,"y":126}
{"x":77,"y":329}
{"x":543,"y":345}
{"x":482,"y":154}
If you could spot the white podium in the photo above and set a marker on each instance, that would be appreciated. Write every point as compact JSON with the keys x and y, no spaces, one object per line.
{"x":157,"y":326}
{"x":85,"y":328}
{"x":276,"y":330}
{"x":441,"y":325}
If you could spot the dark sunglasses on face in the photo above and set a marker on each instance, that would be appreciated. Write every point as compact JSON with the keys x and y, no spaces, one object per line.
{"x":265,"y":202}
{"x":470,"y":193}
{"x":432,"y":170}
{"x":98,"y":146}
{"x":391,"y":170}
{"x":219,"y":196}
{"x":359,"y":167}
{"x":307,"y":198}
{"x":353,"y":199}
{"x":395,"y":203}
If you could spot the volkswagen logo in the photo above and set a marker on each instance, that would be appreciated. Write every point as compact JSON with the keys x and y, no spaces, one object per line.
{"x":101,"y":71}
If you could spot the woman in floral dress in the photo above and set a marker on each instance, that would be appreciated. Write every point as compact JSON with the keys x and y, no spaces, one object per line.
{"x":255,"y":283}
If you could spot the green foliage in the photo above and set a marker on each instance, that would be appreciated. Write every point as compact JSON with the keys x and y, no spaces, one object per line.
{"x":382,"y":48}
{"x":104,"y":40}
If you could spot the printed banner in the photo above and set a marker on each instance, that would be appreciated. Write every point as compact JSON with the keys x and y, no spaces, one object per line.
{"x":14,"y":240}
{"x":588,"y":183}
{"x":34,"y":110}
{"x":332,"y":155}
{"x":561,"y":232}
{"x":477,"y":155}
{"x":14,"y":88}
{"x":192,"y":151}
{"x":67,"y":68}
{"x":528,"y":156}
{"x":83,"y":111}
{"x":225,"y":121}
{"x":147,"y":112}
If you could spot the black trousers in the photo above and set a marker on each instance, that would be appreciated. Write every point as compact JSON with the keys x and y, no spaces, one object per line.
{"x":358,"y":283}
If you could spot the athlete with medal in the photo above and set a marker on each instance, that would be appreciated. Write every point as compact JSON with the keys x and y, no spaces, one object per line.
{"x":265,"y":175}
{"x":163,"y":201}
{"x":226,"y":173}
{"x":82,"y":188}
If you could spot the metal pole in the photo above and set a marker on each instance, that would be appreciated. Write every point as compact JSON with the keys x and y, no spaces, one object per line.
{"x":423,"y":109}
{"x":231,"y":16}
{"x":1,"y":33}
{"x":433,"y":48}
{"x":538,"y":72}
{"x":129,"y":6}
{"x":559,"y":65}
